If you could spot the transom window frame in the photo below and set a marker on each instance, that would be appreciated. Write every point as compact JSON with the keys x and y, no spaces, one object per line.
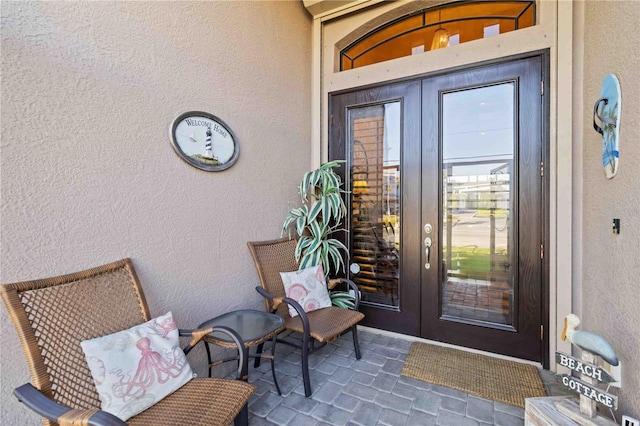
{"x":344,"y":53}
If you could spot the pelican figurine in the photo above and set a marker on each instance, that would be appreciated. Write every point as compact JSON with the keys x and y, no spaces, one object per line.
{"x":588,"y":341}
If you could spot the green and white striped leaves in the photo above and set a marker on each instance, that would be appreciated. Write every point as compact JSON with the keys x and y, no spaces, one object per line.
{"x":321,"y":214}
{"x":298,"y":217}
{"x":342,"y":299}
{"x":311,"y":251}
{"x":320,"y":182}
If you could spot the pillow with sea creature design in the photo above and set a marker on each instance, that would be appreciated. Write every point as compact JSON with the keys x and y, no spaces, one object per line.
{"x":307,"y":287}
{"x":135,"y":368}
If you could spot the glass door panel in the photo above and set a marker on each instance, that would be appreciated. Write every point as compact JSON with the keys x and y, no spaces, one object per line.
{"x":482,"y":152}
{"x":478,"y":139}
{"x":374,"y":142}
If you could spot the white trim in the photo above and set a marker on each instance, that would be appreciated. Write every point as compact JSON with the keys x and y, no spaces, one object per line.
{"x":330,"y":9}
{"x":578,"y":155}
{"x":316,"y":96}
{"x":561,"y":218}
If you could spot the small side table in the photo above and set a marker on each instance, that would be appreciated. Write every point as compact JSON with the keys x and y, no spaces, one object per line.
{"x":254,"y":327}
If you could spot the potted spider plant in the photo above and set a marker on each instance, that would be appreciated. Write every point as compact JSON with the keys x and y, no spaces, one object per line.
{"x":320,"y":215}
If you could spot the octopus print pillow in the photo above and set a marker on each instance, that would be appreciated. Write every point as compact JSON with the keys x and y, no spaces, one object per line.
{"x":307,"y":287}
{"x":135,"y":368}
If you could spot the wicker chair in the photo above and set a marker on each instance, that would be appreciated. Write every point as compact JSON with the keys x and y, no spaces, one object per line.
{"x":323,"y":325}
{"x":52,"y":316}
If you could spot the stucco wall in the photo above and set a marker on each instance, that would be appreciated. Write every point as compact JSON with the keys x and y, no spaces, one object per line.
{"x":88,"y":175}
{"x":611,"y":263}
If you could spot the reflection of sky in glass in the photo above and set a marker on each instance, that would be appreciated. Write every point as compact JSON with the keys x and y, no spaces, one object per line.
{"x":222,"y":146}
{"x":478,"y":126}
{"x":392,"y":134}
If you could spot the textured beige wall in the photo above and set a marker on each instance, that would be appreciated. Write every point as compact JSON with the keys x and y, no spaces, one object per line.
{"x":88,"y":175}
{"x":611,"y":263}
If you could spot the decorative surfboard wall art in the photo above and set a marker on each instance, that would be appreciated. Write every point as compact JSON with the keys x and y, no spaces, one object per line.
{"x":608,"y":110}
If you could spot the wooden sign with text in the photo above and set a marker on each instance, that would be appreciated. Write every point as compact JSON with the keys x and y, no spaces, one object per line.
{"x":585,"y":368}
{"x":585,"y":389}
{"x":587,"y":371}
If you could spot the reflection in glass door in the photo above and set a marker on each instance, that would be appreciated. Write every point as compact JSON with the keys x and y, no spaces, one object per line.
{"x":374,"y":139}
{"x":377,"y":133}
{"x":478,"y":139}
{"x":483,"y":193}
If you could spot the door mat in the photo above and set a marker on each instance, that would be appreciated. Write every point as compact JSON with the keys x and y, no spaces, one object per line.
{"x":491,"y":378}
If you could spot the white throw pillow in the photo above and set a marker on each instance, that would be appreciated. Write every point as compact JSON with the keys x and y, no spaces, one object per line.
{"x":135,"y":368}
{"x":308,"y":287}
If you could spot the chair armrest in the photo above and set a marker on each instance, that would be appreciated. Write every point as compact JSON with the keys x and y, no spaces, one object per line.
{"x":196,"y":336}
{"x":301,"y":313}
{"x":243,"y":353}
{"x":61,"y":414}
{"x":277,"y":301}
{"x":352,"y":286}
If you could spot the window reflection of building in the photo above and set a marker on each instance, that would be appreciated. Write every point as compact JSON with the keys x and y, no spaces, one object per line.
{"x":478,"y":183}
{"x":477,"y":240}
{"x":375,"y":223}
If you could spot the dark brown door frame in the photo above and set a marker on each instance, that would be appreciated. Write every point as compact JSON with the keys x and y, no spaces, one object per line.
{"x":337,"y":150}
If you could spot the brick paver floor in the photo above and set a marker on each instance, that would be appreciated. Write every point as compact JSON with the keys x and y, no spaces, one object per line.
{"x":369,"y":391}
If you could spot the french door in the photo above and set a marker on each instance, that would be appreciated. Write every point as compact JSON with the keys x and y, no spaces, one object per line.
{"x":446,"y":198}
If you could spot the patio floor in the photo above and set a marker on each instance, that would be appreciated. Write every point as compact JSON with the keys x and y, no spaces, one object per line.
{"x":369,"y":391}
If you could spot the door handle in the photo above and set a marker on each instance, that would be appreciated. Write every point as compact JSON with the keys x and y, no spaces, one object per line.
{"x":427,"y":248}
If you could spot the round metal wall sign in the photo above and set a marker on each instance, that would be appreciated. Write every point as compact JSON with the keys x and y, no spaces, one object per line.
{"x":204,"y":141}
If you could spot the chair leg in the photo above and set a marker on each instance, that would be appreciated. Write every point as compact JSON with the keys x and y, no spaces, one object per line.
{"x":356,"y":344}
{"x":273,"y":364}
{"x":256,"y":363}
{"x":305,"y":368}
{"x":242,"y":419}
{"x":206,"y":345}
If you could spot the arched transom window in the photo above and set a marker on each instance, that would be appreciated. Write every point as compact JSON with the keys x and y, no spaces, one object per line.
{"x":437,"y":27}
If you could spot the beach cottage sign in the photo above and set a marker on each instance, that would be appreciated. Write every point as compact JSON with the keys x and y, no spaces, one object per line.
{"x":586,"y":370}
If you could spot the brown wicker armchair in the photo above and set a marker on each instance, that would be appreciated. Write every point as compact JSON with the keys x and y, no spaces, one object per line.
{"x":323,"y":325}
{"x":52,"y":316}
